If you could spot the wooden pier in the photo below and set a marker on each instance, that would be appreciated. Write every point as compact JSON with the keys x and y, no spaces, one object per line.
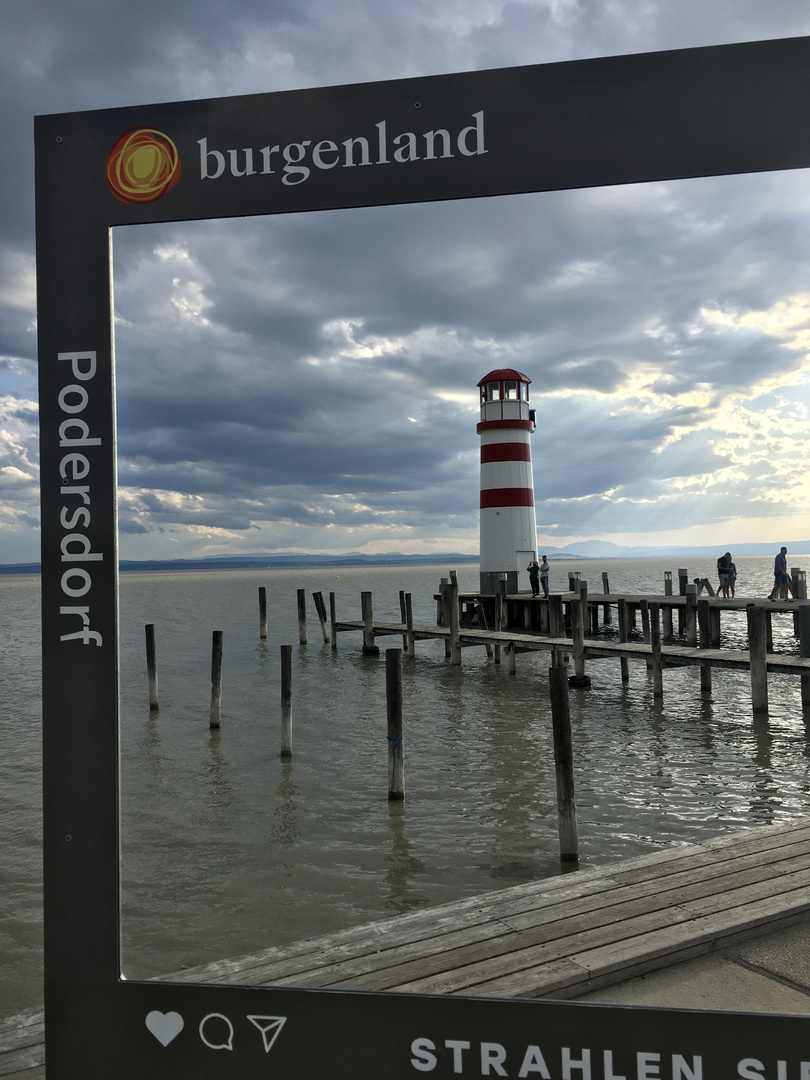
{"x":676,"y":631}
{"x":556,"y":938}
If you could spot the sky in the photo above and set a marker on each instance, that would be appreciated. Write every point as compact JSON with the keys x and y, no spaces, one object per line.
{"x":309,"y":382}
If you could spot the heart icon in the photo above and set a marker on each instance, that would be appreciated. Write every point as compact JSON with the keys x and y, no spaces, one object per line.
{"x":164,"y":1026}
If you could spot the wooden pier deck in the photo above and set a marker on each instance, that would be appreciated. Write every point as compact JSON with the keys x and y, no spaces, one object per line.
{"x":556,"y":938}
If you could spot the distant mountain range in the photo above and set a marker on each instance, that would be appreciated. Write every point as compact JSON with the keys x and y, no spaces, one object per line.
{"x":586,"y":549}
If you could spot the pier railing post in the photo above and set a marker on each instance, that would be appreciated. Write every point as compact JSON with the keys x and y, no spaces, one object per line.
{"x":758,"y":657}
{"x":151,"y":667}
{"x":666,"y":610}
{"x":333,"y":620}
{"x":216,"y":679}
{"x":455,"y":638}
{"x":263,"y":612}
{"x":644,"y":607}
{"x":393,"y":702}
{"x":556,"y":624}
{"x":286,"y":701}
{"x":302,"y":616}
{"x":563,"y":763}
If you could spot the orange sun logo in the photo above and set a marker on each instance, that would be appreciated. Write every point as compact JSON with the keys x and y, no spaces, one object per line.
{"x":142,"y":166}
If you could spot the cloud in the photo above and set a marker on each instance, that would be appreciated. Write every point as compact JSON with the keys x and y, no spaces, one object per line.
{"x":311,"y":379}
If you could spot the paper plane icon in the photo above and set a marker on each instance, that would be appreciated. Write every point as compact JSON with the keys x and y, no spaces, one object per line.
{"x":269,"y":1026}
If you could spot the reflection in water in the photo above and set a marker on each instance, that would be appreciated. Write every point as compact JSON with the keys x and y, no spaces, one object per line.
{"x":284,"y":829}
{"x":401,"y":864}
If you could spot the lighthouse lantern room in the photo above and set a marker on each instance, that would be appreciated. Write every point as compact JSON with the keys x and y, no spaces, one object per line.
{"x":508,"y":527}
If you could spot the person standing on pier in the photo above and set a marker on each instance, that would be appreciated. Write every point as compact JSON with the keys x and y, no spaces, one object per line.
{"x":544,"y":569}
{"x":724,"y":565}
{"x":781,"y":581}
{"x":534,"y":577}
{"x":732,"y":579}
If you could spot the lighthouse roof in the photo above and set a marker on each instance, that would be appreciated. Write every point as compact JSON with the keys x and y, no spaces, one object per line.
{"x":504,"y":373}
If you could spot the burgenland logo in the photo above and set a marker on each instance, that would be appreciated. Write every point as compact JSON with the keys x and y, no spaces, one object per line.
{"x":142,"y":166}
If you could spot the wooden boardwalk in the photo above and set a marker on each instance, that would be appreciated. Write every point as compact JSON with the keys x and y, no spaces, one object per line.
{"x":556,"y":938}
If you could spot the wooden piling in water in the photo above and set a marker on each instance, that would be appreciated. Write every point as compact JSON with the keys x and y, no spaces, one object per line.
{"x":654,"y":613}
{"x":320,"y":610}
{"x":690,"y":616}
{"x":683,"y":581}
{"x":607,"y":615}
{"x":367,"y":610}
{"x":578,"y":640}
{"x":302,"y":616}
{"x":262,"y":612}
{"x":804,"y":650}
{"x":563,"y":763}
{"x":511,"y":658}
{"x":216,"y":680}
{"x":666,"y":614}
{"x":393,"y":703}
{"x":151,"y":667}
{"x":758,"y":657}
{"x":410,"y":640}
{"x":333,"y":620}
{"x":623,"y":637}
{"x":286,"y":701}
{"x":704,"y":618}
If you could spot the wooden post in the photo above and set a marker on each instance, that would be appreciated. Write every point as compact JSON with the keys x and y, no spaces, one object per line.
{"x":262,"y":612}
{"x":667,"y":583}
{"x":151,"y":667}
{"x":578,"y":635}
{"x":757,"y":653}
{"x":690,"y":616}
{"x":683,"y":581}
{"x":799,"y":592}
{"x":393,"y":702}
{"x":367,"y":610}
{"x":607,"y":614}
{"x":556,"y":623}
{"x":804,"y":650}
{"x":655,"y":646}
{"x":333,"y":620}
{"x":644,"y":607}
{"x":482,"y":622}
{"x":320,"y":609}
{"x":402,"y":620}
{"x":582,"y":586}
{"x":453,"y":613}
{"x":666,"y":610}
{"x":714,"y":627}
{"x":511,"y":661}
{"x":499,"y":620}
{"x":216,"y":679}
{"x":563,"y":764}
{"x":302,"y":616}
{"x":704,"y":617}
{"x":286,"y":701}
{"x":622,"y":605}
{"x":410,"y":641}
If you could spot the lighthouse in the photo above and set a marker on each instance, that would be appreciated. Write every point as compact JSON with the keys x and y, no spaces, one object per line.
{"x":508,"y":527}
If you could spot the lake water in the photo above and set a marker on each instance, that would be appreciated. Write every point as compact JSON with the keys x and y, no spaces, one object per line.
{"x":227,"y":849}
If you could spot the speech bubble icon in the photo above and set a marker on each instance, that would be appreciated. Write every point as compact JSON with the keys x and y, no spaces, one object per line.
{"x":164,"y":1026}
{"x":227,"y":1043}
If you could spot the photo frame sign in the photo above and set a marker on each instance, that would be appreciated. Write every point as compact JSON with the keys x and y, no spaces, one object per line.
{"x":621,"y":120}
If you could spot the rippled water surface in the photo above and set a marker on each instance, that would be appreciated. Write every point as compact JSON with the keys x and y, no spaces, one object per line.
{"x":227,"y":849}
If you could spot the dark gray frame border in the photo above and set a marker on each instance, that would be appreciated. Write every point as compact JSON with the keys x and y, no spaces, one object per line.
{"x":699,"y":112}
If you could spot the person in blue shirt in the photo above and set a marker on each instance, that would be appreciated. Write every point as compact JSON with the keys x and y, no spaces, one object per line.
{"x":781,"y":581}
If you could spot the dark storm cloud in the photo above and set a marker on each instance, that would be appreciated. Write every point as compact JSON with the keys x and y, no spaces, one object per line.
{"x":321,"y":370}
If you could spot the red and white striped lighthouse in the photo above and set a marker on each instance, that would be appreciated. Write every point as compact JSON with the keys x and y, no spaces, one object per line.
{"x":508,"y":537}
